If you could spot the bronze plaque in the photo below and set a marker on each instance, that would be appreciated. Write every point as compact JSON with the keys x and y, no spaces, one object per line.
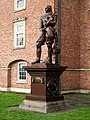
{"x":37,"y":80}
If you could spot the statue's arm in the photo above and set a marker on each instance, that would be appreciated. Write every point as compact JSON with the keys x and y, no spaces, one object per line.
{"x":53,"y":22}
{"x":41,"y":25}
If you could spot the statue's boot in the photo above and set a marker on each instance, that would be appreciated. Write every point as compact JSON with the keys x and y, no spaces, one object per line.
{"x":38,"y":53}
{"x":37,"y":61}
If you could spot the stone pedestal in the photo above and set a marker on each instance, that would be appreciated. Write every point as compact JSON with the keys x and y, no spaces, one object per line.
{"x":44,"y":107}
{"x":45,"y":88}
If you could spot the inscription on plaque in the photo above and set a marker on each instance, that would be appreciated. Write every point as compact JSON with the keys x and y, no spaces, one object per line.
{"x":37,"y":80}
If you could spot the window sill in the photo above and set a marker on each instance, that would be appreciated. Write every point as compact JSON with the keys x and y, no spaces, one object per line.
{"x":23,"y":82}
{"x":18,"y":10}
{"x":16,"y":48}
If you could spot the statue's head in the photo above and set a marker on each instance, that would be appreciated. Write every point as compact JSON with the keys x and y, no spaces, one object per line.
{"x":48,"y":8}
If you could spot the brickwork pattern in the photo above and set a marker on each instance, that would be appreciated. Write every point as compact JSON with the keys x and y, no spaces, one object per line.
{"x":70,"y":43}
{"x":8,"y":54}
{"x":85,"y":44}
{"x":75,"y":48}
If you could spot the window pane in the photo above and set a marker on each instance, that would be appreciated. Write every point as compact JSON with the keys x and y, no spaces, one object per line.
{"x":20,"y":39}
{"x":20,"y":65}
{"x":20,"y":29}
{"x":22,"y":71}
{"x":20,"y":3}
{"x":24,"y":77}
{"x":20,"y":77}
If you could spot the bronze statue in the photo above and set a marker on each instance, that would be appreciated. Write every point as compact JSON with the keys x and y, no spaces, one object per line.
{"x":47,"y":24}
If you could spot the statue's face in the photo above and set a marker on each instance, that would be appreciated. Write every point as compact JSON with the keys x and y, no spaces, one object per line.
{"x":48,"y":8}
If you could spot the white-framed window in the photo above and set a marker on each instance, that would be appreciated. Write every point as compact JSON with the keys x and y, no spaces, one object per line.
{"x":22,"y":73}
{"x":19,"y":34}
{"x":19,"y":4}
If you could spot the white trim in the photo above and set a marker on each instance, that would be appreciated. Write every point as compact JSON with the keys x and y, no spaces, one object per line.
{"x":84,"y":91}
{"x":18,"y":9}
{"x":3,"y":89}
{"x":21,"y":90}
{"x":15,"y":33}
{"x":19,"y":19}
{"x":68,"y":69}
{"x":78,"y":69}
{"x":3,"y":68}
{"x":18,"y":90}
{"x":70,"y":91}
{"x":75,"y":91}
{"x":21,"y":81}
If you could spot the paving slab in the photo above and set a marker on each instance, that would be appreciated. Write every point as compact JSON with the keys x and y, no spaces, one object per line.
{"x":78,"y":100}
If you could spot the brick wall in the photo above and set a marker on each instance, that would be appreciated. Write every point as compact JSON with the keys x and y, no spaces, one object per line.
{"x":85,"y":44}
{"x":8,"y":54}
{"x":70,"y":33}
{"x":34,"y":9}
{"x":74,"y":44}
{"x":70,"y":43}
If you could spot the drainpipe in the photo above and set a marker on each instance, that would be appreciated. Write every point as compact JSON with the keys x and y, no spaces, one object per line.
{"x":59,"y":28}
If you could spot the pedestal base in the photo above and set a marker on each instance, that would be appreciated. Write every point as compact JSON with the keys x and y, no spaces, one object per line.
{"x":45,"y":94}
{"x":43,"y":107}
{"x":45,"y":84}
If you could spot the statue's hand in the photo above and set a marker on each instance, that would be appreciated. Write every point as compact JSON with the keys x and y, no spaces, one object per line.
{"x":42,"y":29}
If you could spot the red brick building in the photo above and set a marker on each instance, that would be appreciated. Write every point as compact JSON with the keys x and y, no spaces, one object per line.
{"x":19,"y":30}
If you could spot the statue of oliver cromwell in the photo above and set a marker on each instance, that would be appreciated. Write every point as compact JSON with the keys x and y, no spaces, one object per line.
{"x":47,"y":24}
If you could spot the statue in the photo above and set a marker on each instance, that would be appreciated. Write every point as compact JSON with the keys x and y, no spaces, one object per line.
{"x":47,"y":24}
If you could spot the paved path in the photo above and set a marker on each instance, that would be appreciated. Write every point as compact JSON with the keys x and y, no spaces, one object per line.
{"x":77,"y":100}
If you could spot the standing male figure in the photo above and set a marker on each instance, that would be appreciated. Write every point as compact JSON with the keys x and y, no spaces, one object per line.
{"x":47,"y":24}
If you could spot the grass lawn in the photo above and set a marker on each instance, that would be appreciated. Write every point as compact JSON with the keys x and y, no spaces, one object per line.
{"x":11,"y":99}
